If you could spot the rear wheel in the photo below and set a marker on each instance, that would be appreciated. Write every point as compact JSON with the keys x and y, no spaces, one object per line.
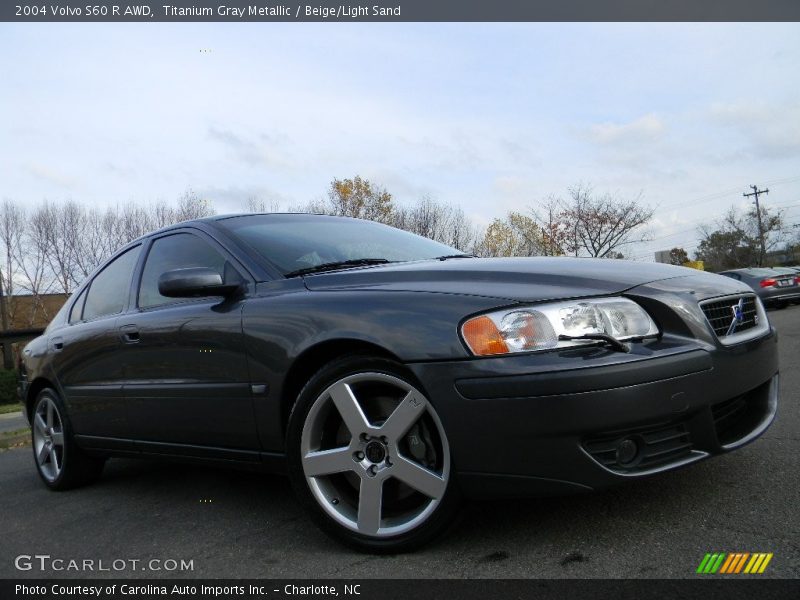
{"x":369,"y":457}
{"x":59,"y":461}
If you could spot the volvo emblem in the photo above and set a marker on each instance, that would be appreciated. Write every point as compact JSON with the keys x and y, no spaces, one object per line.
{"x":738,"y":316}
{"x":375,"y":452}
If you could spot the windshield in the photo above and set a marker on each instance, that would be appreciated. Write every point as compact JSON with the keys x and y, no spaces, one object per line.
{"x":299,"y":242}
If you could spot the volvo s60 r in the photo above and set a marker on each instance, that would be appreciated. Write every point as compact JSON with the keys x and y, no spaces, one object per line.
{"x":391,"y":376}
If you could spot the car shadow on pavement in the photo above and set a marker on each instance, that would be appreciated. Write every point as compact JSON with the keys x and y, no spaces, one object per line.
{"x":235,"y":523}
{"x":251,"y":502}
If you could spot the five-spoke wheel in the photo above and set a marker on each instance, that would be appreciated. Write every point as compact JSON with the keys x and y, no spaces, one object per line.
{"x":48,"y":438}
{"x":61,"y":463}
{"x":372,"y":453}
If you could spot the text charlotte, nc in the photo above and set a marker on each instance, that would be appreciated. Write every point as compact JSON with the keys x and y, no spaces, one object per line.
{"x":282,"y":10}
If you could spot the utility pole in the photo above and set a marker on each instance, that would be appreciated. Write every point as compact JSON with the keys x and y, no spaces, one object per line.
{"x":755,"y":193}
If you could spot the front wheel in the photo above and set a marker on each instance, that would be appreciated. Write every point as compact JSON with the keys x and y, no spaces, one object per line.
{"x":369,"y":457}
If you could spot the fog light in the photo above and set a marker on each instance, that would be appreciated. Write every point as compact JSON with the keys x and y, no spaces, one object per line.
{"x":627,"y":451}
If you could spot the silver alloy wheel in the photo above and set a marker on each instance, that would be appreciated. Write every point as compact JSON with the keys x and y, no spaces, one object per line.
{"x":373,"y":455}
{"x":48,"y":439}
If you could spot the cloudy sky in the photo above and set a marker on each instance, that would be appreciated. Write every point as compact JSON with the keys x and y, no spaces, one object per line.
{"x":493,"y":117}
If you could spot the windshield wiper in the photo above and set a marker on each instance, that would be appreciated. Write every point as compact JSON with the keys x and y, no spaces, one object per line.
{"x":339,"y":264}
{"x":602,"y":337}
{"x":446,"y":256}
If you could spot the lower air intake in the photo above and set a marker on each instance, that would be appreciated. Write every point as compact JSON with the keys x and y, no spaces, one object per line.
{"x":638,"y":450}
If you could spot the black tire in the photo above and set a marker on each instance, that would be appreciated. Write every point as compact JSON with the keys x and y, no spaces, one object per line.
{"x":434,"y":525}
{"x":76,"y":468}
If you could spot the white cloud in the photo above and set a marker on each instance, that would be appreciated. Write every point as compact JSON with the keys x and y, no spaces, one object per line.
{"x":267,"y":151}
{"x":52,"y":176}
{"x":645,"y":129}
{"x":769,"y":130}
{"x":490,"y":117}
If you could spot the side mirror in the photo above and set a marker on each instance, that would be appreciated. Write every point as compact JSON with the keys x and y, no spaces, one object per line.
{"x":195,"y":282}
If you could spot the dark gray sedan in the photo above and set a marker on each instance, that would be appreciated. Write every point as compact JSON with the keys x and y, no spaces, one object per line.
{"x":775,"y":287}
{"x":391,"y":376}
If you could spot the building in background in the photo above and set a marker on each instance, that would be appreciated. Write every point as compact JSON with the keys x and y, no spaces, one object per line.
{"x":23,"y":318}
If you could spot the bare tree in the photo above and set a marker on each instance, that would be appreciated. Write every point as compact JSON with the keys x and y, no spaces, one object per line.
{"x":95,"y":243}
{"x":31,"y":254}
{"x":461,"y":231}
{"x":191,"y":206}
{"x":593,"y":225}
{"x":259,"y":205}
{"x":558,"y":233}
{"x":438,"y":221}
{"x":607,"y":223}
{"x":59,"y":226}
{"x":155,"y":216}
{"x":12,"y":221}
{"x":132,"y":221}
{"x":54,"y":246}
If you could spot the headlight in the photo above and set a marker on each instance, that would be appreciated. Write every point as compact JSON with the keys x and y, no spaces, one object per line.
{"x":539,"y":327}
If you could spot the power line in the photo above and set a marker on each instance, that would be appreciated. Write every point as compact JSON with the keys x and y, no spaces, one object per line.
{"x":713,"y":196}
{"x":700,"y":221}
{"x":728,"y":192}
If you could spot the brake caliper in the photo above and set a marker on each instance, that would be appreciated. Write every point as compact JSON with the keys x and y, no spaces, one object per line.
{"x":421,"y":446}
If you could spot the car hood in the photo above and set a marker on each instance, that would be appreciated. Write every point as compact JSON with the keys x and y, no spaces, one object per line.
{"x":518,"y":279}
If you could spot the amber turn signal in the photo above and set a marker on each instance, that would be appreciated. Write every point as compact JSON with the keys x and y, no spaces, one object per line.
{"x":483,"y":337}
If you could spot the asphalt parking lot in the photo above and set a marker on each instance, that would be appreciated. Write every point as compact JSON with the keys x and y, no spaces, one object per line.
{"x":234,"y":524}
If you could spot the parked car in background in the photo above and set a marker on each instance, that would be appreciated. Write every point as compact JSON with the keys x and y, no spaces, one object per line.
{"x":775,"y":288}
{"x":390,"y":375}
{"x":795,"y":271}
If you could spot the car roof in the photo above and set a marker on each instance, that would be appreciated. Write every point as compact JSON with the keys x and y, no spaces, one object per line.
{"x":215,"y":218}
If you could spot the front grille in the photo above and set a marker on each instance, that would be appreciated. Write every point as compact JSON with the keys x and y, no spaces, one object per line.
{"x":720,"y":314}
{"x":657,"y":446}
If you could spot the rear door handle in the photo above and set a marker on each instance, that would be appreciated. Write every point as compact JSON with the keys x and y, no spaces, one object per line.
{"x":130,"y":334}
{"x":57,"y":343}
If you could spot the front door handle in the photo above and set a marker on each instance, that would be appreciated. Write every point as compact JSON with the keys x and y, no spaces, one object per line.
{"x":57,"y":343}
{"x":129,"y":334}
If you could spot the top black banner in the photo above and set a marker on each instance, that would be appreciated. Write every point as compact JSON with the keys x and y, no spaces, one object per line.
{"x":400,"y":10}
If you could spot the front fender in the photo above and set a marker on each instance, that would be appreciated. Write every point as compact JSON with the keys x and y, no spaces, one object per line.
{"x":279,"y":328}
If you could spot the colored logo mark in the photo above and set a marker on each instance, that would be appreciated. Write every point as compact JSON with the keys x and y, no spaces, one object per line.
{"x":734,"y":562}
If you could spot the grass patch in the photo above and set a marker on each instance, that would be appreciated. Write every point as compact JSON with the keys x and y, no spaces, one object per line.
{"x":10,"y":408}
{"x":15,"y":439}
{"x":8,"y":386}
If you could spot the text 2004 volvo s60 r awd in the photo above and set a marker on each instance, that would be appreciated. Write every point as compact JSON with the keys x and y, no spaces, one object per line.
{"x":393,"y":376}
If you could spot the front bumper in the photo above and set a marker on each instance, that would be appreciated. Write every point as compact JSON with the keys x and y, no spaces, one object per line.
{"x":552,"y":423}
